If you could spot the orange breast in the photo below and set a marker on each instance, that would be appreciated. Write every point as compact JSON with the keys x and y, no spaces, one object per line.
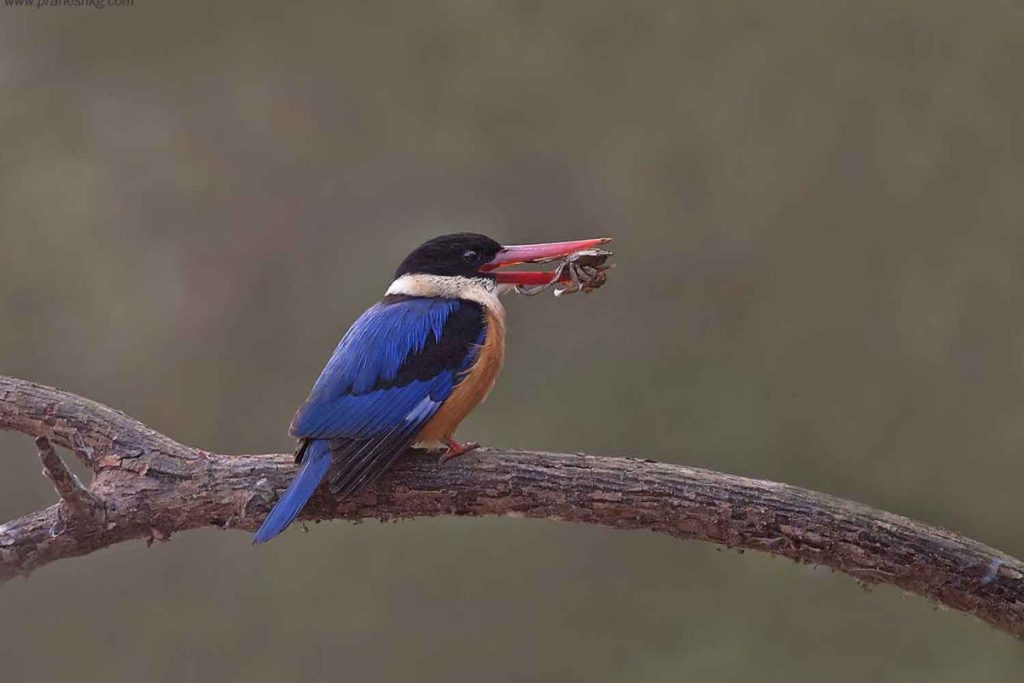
{"x":473,"y":389}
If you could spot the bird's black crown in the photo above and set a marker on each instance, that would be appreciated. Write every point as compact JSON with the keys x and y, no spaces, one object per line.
{"x":461,"y":253}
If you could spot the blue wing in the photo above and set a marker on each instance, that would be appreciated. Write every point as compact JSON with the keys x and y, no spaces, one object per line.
{"x":393,"y":368}
{"x":388,"y":376}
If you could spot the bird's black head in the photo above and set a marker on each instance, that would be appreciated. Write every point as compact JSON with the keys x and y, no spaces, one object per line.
{"x":461,"y":253}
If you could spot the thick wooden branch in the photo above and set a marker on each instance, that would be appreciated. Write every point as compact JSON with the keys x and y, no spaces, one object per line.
{"x":151,"y":486}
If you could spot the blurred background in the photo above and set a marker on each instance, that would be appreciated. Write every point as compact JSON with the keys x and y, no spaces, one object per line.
{"x":817,"y":209}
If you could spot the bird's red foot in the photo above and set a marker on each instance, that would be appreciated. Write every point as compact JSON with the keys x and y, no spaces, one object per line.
{"x":456,"y":449}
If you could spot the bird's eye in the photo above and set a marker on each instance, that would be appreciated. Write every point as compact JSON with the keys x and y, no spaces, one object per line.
{"x":471,"y":256}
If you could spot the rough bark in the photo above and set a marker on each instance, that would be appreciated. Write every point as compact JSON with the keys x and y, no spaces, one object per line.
{"x":145,"y":485}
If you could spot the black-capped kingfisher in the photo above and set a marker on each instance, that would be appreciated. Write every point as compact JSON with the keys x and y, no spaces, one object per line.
{"x":411,"y":367}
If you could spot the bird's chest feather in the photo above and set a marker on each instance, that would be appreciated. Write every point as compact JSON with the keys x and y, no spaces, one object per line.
{"x":474,"y":387}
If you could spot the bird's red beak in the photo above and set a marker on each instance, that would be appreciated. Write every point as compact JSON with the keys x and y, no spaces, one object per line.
{"x":535,"y":253}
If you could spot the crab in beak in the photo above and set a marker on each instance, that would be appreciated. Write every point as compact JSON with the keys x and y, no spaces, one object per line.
{"x":516,"y":254}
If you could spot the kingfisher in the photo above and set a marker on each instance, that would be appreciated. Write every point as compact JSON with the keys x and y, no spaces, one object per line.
{"x":411,"y":367}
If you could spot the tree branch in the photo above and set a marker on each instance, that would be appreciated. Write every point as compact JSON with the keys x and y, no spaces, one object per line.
{"x":83,"y":507}
{"x":148,"y":486}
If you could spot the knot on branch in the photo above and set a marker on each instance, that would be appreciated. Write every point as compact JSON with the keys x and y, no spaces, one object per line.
{"x":79,"y":506}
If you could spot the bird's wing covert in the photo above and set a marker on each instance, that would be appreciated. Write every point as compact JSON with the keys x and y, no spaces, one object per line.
{"x":388,"y":376}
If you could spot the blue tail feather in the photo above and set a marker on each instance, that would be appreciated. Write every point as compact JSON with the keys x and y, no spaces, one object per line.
{"x":315,"y":463}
